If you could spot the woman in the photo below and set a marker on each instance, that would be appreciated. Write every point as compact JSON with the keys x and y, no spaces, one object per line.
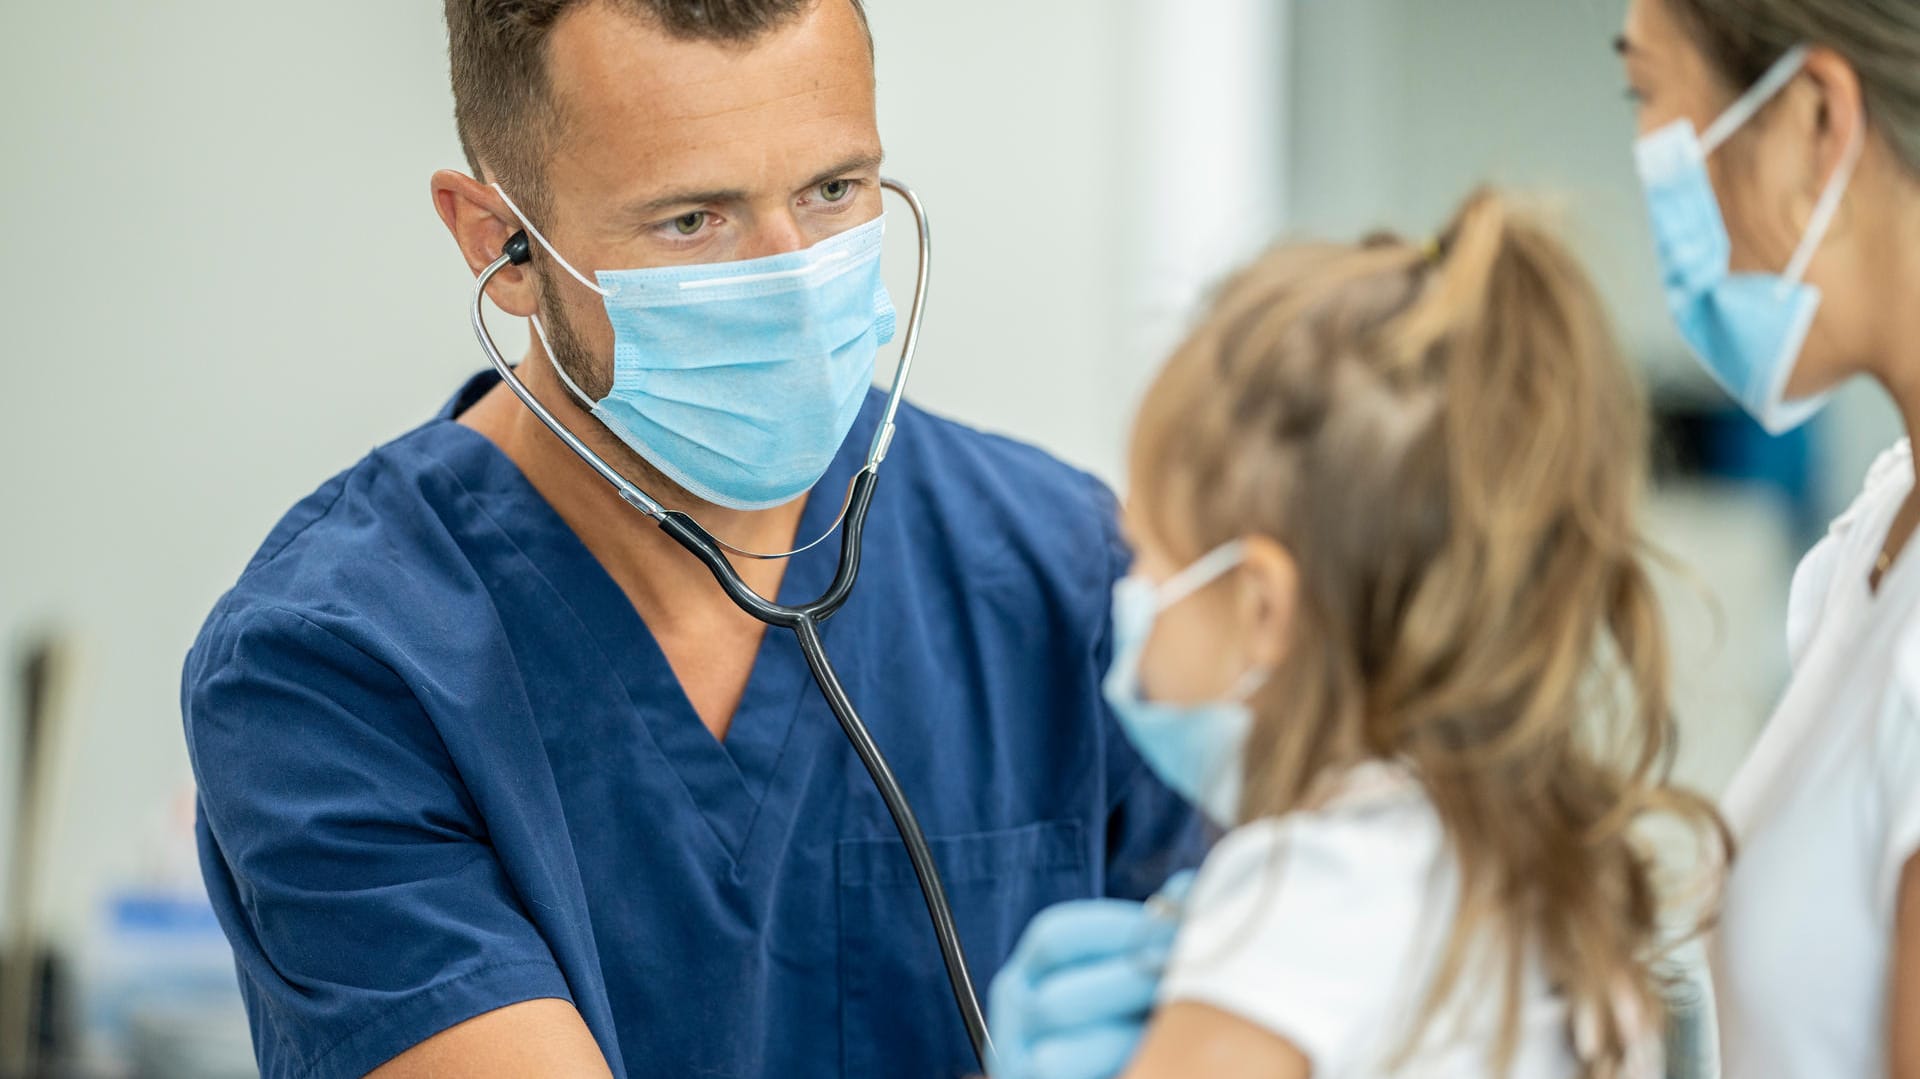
{"x":1780,"y":148}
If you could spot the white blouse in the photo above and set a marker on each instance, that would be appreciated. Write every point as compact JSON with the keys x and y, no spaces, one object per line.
{"x":1827,"y":812}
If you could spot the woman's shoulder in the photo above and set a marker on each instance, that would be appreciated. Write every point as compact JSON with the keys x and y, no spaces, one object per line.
{"x":1888,"y":480}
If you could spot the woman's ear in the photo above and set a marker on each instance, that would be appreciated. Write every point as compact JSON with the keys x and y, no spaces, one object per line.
{"x":1270,"y":593}
{"x":1839,"y":120}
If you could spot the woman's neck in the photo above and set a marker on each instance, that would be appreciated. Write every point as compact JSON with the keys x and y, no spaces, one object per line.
{"x":1896,"y":344}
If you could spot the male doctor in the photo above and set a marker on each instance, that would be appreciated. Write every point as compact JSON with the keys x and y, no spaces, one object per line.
{"x":495,"y":781}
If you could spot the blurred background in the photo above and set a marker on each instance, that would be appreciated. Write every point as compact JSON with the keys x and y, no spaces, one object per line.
{"x":227,"y":283}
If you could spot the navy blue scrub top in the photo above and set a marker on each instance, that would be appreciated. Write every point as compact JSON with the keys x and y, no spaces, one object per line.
{"x":444,"y":768}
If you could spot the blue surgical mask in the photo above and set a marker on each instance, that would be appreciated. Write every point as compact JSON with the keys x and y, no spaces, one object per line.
{"x":1196,"y":749}
{"x":1747,"y":330}
{"x":740,"y":380}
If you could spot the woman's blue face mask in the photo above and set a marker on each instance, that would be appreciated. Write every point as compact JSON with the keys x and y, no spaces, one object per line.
{"x":740,"y":380}
{"x":1747,"y":330}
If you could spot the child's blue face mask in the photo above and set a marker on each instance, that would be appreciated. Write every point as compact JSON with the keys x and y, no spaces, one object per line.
{"x":1747,"y":330}
{"x":740,"y":380}
{"x":1198,"y":750}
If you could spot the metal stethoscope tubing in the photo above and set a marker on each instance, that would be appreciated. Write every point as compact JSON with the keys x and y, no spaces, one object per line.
{"x":804,"y":620}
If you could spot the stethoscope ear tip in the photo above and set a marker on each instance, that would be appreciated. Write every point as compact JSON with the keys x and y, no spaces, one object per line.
{"x":519,"y":251}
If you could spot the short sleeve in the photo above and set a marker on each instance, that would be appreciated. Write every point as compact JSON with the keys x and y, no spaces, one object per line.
{"x":342,"y":854}
{"x":1304,"y":925}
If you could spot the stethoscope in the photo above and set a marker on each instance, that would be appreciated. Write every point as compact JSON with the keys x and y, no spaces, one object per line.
{"x":803,"y":620}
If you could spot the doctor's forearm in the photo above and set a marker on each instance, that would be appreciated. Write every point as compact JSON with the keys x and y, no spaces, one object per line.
{"x":536,"y":1039}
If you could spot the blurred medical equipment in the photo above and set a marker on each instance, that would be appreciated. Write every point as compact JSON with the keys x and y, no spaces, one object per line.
{"x":804,"y":620}
{"x":30,"y":977}
{"x":161,"y":997}
{"x":1693,"y":1031}
{"x":152,"y":992}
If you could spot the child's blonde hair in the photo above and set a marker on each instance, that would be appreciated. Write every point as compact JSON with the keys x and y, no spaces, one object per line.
{"x":1448,"y":443}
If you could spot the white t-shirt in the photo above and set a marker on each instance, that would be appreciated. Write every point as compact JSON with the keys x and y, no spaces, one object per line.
{"x":1327,"y":928}
{"x":1827,"y":811}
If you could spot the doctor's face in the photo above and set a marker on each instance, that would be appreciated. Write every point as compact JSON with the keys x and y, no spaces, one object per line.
{"x":670,"y":152}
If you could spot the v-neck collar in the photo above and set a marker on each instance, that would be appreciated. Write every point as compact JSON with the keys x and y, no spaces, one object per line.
{"x":1860,"y":597}
{"x":729,"y":779}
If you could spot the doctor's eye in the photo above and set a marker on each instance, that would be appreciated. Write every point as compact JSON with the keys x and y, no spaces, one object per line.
{"x":836,"y":190}
{"x":690,"y":224}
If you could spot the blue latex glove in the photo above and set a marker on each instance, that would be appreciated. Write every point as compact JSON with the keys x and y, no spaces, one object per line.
{"x":1073,"y":1000}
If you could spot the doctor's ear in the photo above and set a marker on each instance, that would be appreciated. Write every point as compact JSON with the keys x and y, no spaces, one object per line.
{"x":1270,"y":598}
{"x":484,"y":228}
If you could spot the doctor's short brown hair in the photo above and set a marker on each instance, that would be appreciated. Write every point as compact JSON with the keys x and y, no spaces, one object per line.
{"x":496,"y":51}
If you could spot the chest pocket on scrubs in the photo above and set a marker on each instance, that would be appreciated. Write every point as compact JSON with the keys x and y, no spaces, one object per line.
{"x":895,"y":1001}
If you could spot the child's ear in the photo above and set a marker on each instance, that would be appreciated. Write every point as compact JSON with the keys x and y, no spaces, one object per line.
{"x":1272,"y":600}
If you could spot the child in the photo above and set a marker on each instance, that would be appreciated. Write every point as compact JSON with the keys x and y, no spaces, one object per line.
{"x":1389,"y":615}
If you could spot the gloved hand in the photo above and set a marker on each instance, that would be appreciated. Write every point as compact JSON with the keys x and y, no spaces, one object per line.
{"x":1073,"y":1000}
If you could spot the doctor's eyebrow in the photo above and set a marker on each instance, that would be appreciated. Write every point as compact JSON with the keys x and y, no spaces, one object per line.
{"x":862,"y":162}
{"x":672,"y":200}
{"x":1623,"y":46}
{"x":654,"y":207}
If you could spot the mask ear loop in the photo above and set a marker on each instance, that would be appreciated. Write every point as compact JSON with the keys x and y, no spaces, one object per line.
{"x":1825,"y":210}
{"x":1209,"y":568}
{"x":588,"y":403}
{"x":580,"y":395}
{"x":1212,"y":566}
{"x":1783,"y":71}
{"x":537,"y":235}
{"x":758,"y":556}
{"x":1250,"y":684}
